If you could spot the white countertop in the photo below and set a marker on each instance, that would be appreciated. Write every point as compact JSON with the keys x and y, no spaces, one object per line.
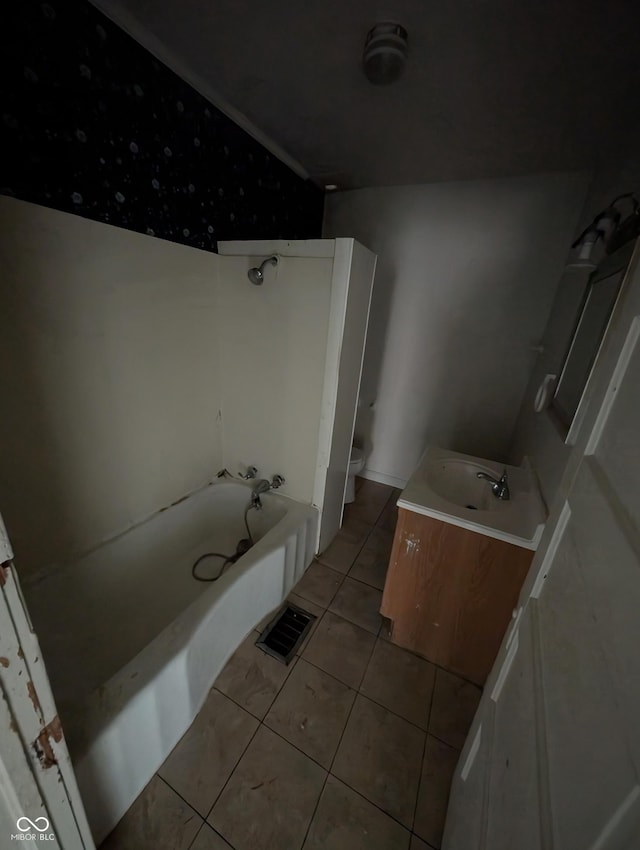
{"x":519,"y":520}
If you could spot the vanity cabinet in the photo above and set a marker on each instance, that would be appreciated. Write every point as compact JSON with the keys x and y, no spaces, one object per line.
{"x":450,"y":592}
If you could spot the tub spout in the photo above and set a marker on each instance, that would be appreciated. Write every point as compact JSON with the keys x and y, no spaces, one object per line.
{"x":260,"y":486}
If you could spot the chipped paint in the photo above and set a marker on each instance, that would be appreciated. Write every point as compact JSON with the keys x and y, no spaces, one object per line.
{"x":4,"y":573}
{"x":4,"y":661}
{"x":42,"y":745}
{"x":412,"y":545}
{"x":33,"y":696}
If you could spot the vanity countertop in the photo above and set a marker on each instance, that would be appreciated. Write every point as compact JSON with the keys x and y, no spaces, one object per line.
{"x":445,"y":486}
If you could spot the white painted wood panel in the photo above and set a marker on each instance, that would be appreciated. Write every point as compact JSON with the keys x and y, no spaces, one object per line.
{"x":513,"y":819}
{"x":586,"y":739}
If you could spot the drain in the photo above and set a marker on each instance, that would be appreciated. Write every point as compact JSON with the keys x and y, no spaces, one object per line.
{"x":285,"y":633}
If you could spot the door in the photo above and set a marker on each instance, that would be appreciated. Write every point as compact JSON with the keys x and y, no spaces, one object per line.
{"x":39,"y":798}
{"x":553,"y":758}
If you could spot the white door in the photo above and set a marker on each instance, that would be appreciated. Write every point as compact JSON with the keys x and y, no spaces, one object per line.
{"x":39,"y":798}
{"x":553,"y":757}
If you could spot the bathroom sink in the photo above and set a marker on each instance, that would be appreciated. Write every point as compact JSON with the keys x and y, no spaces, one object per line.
{"x":445,"y":486}
{"x":456,"y":480}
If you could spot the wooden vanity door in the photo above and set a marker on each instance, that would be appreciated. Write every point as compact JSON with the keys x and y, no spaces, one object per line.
{"x":450,"y":593}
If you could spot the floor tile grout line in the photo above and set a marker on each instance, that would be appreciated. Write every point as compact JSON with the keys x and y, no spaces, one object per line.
{"x":205,"y":825}
{"x":357,"y":691}
{"x":358,"y":688}
{"x":331,"y":764}
{"x":446,"y":743}
{"x":233,"y":769}
{"x":337,"y":750}
{"x":182,"y":797}
{"x":424,"y":752}
{"x":357,"y":554}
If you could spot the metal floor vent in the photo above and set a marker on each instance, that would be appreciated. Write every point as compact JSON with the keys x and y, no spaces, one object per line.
{"x":285,"y":633}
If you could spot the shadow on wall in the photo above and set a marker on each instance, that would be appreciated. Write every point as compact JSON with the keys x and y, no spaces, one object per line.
{"x":466,"y":276}
{"x":27,"y":429}
{"x":378,"y":329}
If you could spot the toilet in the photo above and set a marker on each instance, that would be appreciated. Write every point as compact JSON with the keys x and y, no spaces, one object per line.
{"x":356,"y":465}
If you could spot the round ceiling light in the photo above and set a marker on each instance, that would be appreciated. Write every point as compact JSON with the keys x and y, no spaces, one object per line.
{"x":385,"y":53}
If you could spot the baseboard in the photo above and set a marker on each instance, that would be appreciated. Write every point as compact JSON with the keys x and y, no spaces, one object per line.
{"x":383,"y":478}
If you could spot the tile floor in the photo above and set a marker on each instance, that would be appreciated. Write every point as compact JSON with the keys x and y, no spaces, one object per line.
{"x":350,"y":747}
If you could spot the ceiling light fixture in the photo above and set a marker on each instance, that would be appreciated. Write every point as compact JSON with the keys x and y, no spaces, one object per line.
{"x":385,"y":53}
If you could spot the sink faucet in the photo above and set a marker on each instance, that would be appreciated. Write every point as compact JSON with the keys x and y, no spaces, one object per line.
{"x":499,"y":486}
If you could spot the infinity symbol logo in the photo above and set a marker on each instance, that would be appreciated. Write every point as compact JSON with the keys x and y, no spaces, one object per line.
{"x":20,"y":824}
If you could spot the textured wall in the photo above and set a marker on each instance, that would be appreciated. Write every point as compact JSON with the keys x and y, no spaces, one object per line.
{"x":94,"y":125}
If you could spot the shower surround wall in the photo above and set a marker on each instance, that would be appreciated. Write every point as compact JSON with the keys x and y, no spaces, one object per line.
{"x":134,"y":369}
{"x":94,"y":125}
{"x":110,"y":377}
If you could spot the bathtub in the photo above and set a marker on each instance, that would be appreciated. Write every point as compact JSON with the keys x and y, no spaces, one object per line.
{"x":133,"y":643}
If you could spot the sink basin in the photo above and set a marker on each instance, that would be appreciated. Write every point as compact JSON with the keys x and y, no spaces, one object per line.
{"x":456,"y":480}
{"x":445,"y":486}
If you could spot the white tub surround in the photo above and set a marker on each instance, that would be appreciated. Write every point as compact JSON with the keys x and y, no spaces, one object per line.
{"x":306,"y":329}
{"x":133,"y":643}
{"x":445,"y":483}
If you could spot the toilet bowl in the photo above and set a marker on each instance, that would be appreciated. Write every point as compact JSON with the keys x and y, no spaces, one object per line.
{"x":356,"y":465}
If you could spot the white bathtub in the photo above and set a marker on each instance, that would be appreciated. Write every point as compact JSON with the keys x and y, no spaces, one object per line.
{"x":133,"y":644}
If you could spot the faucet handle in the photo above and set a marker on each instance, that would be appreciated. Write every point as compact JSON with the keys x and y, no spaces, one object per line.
{"x":252,"y":472}
{"x":278,"y":481}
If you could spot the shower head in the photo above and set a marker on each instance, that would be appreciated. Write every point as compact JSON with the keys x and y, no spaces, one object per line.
{"x":256,"y":275}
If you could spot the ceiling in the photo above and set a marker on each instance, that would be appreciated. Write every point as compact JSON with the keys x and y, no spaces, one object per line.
{"x":492,"y":87}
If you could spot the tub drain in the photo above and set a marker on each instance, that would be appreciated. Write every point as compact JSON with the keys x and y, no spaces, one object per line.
{"x":285,"y":633}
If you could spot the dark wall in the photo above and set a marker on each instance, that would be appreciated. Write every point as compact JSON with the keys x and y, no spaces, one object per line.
{"x":94,"y":125}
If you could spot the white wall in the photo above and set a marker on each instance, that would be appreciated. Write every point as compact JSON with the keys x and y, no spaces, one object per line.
{"x":465,"y":280}
{"x":273,"y":353}
{"x":109,"y":378}
{"x":132,"y":369}
{"x":536,"y":435}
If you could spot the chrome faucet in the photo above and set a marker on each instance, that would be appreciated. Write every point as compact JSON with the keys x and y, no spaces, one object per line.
{"x":499,"y":486}
{"x":259,"y":487}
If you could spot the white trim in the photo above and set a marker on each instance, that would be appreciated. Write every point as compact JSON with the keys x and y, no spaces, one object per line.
{"x":478,"y":527}
{"x":616,"y":379}
{"x":541,"y":737}
{"x":6,"y":552}
{"x":556,"y":538}
{"x":320,"y":248}
{"x":623,"y":826}
{"x":471,"y":755}
{"x":340,"y":275}
{"x":383,"y":478}
{"x":127,"y":22}
{"x":506,"y":667}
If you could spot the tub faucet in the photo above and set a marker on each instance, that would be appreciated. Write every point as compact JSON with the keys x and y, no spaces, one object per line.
{"x":499,"y":486}
{"x":260,"y":486}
